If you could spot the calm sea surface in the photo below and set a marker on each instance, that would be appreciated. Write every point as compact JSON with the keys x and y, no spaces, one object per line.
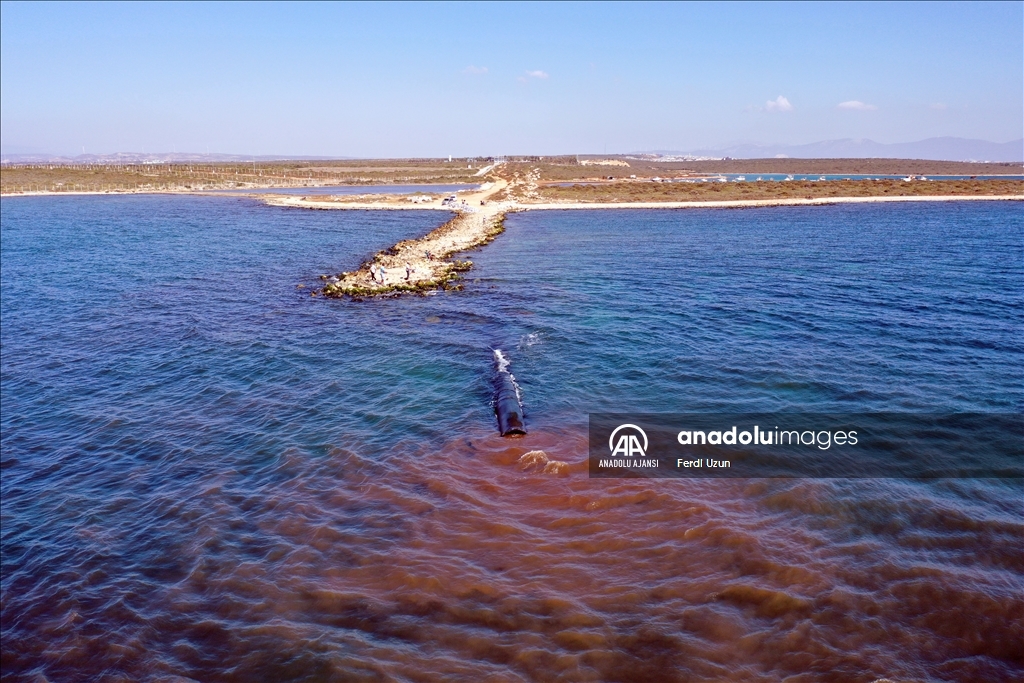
{"x":209,"y":474}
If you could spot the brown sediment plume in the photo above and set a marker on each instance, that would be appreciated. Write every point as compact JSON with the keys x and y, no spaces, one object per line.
{"x":451,"y":561}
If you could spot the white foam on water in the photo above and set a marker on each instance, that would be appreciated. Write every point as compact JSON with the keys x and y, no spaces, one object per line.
{"x":500,"y":359}
{"x":528,"y":340}
{"x":503,"y":363}
{"x":538,"y":461}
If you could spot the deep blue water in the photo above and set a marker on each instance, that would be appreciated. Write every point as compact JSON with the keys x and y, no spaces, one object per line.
{"x":851,"y":308}
{"x":151,"y":343}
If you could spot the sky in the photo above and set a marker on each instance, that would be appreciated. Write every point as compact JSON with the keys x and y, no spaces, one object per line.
{"x":418,"y":80}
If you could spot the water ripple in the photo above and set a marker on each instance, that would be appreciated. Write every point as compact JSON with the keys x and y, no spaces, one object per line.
{"x":208,"y":474}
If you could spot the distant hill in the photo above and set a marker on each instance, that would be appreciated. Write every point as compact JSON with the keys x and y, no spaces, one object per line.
{"x":936,"y":149}
{"x":142,"y":158}
{"x":933,"y":149}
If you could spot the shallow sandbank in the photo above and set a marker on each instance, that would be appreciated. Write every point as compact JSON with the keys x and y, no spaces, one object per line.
{"x":749,"y":203}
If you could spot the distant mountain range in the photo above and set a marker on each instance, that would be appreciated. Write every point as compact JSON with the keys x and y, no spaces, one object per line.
{"x":935,"y":149}
{"x":156,"y":158}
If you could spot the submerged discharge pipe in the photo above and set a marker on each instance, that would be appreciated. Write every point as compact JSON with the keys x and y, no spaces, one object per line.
{"x":507,"y":405}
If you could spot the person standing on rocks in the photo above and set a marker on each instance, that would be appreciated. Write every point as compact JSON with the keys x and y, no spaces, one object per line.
{"x":409,"y":270}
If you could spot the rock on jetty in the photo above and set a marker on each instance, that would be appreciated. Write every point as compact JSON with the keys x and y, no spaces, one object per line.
{"x":423,"y":264}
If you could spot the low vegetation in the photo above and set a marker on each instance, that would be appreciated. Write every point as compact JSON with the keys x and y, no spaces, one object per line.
{"x":18,"y":178}
{"x":567,"y":169}
{"x":648,"y":191}
{"x":184,"y":177}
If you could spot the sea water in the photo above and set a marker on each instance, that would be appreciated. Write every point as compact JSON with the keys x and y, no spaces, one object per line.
{"x":209,"y":473}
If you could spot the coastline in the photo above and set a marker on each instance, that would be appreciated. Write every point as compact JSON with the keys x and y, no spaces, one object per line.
{"x":420,"y":265}
{"x":424,"y":264}
{"x":226,"y":192}
{"x":82,"y":193}
{"x":755,"y":203}
{"x":307,"y":203}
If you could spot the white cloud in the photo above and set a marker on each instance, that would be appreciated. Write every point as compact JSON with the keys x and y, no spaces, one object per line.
{"x":857,"y":105}
{"x":936,"y":105}
{"x":780,"y":103}
{"x":477,"y":70}
{"x":537,"y":74}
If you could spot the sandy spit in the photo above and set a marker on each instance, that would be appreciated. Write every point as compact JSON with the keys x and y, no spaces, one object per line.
{"x":422,"y":264}
{"x":750,"y":203}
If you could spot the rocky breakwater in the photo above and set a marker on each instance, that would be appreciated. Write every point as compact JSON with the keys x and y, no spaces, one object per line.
{"x":422,"y":264}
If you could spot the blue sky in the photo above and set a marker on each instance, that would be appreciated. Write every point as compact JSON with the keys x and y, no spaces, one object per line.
{"x":465,"y":79}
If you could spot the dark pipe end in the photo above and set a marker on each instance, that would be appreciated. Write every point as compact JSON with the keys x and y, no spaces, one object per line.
{"x":517,"y":429}
{"x":510,"y":418}
{"x":507,"y":408}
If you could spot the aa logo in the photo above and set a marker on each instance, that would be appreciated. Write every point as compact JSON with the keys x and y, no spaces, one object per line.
{"x":628,"y":444}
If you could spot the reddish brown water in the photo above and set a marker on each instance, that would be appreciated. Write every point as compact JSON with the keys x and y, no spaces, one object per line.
{"x":459,"y":565}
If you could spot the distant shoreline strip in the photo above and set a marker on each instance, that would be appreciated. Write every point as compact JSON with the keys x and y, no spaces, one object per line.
{"x":756,"y":203}
{"x":554,"y":206}
{"x":724,"y":204}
